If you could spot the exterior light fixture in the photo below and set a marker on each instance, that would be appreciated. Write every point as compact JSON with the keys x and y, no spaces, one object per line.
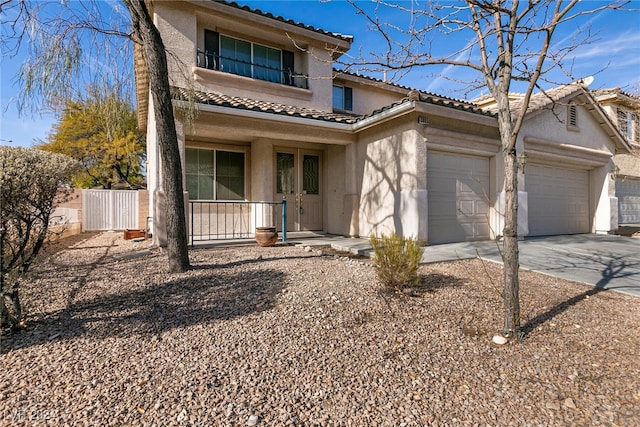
{"x":615,"y":173}
{"x":522,"y":160}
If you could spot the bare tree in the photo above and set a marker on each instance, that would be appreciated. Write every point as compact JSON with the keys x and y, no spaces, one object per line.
{"x":60,"y":36}
{"x":147,"y":35}
{"x":508,"y":41}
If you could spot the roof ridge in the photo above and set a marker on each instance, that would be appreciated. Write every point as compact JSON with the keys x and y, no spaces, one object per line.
{"x":279,"y":18}
{"x":409,"y":88}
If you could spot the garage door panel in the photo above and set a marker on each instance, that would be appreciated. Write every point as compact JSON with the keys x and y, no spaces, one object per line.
{"x":558,"y":200}
{"x":458,"y":209}
{"x":482,"y":208}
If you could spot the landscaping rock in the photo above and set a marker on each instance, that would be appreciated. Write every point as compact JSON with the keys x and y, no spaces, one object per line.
{"x":289,"y":338}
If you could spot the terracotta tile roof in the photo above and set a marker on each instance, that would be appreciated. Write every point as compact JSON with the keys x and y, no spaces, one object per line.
{"x":540,"y":100}
{"x":344,"y":37}
{"x":453,"y":103}
{"x":221,"y":100}
{"x":618,"y":95}
{"x":417,"y":94}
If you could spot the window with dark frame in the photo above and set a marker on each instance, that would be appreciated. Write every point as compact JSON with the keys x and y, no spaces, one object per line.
{"x":215,"y":174}
{"x":629,"y":124}
{"x":245,"y":58}
{"x":342,"y":98}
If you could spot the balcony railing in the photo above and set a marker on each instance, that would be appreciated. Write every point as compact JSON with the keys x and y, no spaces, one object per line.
{"x":213,"y":220}
{"x":213,"y":61}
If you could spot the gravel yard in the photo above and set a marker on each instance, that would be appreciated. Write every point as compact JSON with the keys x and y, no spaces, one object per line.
{"x":283,"y":336}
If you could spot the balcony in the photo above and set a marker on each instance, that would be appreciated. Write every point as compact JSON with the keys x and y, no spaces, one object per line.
{"x":213,"y":61}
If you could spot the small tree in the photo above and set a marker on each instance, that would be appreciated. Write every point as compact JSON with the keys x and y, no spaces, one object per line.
{"x":101,"y":132}
{"x":31,"y":185}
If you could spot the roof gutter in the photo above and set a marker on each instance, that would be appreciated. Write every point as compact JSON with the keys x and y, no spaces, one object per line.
{"x":384,"y":116}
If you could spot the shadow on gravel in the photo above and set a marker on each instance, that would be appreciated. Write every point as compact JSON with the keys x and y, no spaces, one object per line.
{"x":245,"y":262}
{"x":156,"y":309}
{"x":434,"y":281}
{"x":616,"y":267}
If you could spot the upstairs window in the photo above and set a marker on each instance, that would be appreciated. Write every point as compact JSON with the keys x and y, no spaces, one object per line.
{"x":235,"y":56}
{"x":623,"y":122}
{"x":215,"y":174}
{"x":629,"y":124}
{"x":244,"y":58}
{"x":342,"y":98}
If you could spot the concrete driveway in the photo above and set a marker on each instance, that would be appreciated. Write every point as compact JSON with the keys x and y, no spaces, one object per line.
{"x":606,"y":261}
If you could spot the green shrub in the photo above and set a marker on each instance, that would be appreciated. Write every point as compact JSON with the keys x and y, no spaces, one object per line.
{"x":396,"y":260}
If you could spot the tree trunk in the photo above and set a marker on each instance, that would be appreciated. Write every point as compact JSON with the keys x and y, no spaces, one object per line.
{"x":155,"y":56}
{"x":510,"y":256}
{"x":511,"y":260}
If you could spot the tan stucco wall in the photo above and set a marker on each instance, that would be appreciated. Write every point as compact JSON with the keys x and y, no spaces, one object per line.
{"x":335,"y":165}
{"x":629,"y":164}
{"x":262,"y":170}
{"x":392,"y":180}
{"x":177,"y":25}
{"x":551,"y":125}
{"x":369,"y":96}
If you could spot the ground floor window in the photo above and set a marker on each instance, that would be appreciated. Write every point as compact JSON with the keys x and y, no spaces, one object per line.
{"x":215,"y":174}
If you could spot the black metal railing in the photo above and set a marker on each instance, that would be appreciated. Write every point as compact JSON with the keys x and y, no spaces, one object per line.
{"x":213,"y":220}
{"x":213,"y":61}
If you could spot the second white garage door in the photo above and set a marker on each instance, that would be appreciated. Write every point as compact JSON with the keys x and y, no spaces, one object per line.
{"x":628,"y":193}
{"x":458,"y":187}
{"x":558,"y":200}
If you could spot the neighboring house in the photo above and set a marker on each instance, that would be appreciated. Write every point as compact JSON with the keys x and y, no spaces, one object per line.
{"x":624,"y":111}
{"x":356,"y":156}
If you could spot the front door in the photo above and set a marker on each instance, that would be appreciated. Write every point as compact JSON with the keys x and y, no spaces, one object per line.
{"x":299,"y":179}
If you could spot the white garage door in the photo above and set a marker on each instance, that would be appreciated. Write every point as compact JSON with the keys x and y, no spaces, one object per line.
{"x":558,"y":200}
{"x":458,"y":187}
{"x":628,"y":194}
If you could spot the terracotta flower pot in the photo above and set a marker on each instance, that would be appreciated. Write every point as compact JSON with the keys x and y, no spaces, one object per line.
{"x":133,"y":234}
{"x":266,"y":236}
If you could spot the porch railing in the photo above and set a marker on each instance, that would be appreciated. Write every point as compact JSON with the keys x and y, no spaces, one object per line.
{"x":213,"y":220}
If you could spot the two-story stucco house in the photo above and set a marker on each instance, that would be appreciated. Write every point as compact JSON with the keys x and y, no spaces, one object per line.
{"x":356,"y":156}
{"x":624,"y":110}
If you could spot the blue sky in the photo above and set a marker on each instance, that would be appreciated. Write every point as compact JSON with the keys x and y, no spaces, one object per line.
{"x":613,"y":56}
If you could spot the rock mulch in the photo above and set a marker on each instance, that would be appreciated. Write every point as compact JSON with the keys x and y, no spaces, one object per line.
{"x":285,"y":337}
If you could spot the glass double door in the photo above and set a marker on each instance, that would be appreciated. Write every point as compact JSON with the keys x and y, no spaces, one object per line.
{"x":299,"y":179}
